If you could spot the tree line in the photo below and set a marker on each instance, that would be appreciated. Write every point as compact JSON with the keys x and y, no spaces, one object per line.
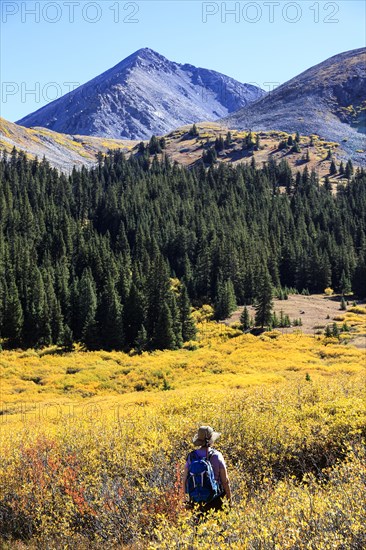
{"x":114,"y":256}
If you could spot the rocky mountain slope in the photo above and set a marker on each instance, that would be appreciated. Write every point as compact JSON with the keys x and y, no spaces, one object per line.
{"x":61,"y":150}
{"x":328,"y":99}
{"x":144,"y":94}
{"x":65,"y":151}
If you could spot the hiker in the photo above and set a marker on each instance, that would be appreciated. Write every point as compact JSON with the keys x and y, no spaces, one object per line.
{"x":205,"y":478}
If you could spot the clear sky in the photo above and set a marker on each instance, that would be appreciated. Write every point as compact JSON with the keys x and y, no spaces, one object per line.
{"x":49,"y":47}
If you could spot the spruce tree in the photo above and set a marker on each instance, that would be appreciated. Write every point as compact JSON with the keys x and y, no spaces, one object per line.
{"x":65,"y":340}
{"x":133,"y":314}
{"x":349,"y":169}
{"x":225,"y":300}
{"x":141,"y":341}
{"x":165,"y":337}
{"x":109,"y":318}
{"x":13,"y":314}
{"x":244,"y":319}
{"x":333,"y":168}
{"x":264,"y":300}
{"x":189,"y":329}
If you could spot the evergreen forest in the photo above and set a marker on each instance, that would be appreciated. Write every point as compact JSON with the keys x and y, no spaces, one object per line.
{"x":114,"y":256}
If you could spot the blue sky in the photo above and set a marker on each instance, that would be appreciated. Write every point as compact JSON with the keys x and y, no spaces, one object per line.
{"x":48,"y":47}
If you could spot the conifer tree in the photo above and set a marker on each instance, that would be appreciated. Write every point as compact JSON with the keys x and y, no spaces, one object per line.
{"x":13,"y":314}
{"x":333,"y":168}
{"x":244,"y":319}
{"x":109,"y":318}
{"x":165,"y":338}
{"x":189,"y":330}
{"x":134,"y":314}
{"x":345,"y":284}
{"x":66,"y":339}
{"x":264,"y":300}
{"x":349,"y":169}
{"x":141,"y":341}
{"x":225,"y":300}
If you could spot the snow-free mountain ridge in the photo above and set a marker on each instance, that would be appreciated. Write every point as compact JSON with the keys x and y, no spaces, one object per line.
{"x":328,"y":99}
{"x":143,"y":95}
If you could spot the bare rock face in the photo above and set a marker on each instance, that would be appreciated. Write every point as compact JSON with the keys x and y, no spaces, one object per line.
{"x":144,"y":94}
{"x":328,"y":99}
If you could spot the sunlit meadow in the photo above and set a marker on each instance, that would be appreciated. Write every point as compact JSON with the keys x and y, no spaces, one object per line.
{"x":94,"y":443}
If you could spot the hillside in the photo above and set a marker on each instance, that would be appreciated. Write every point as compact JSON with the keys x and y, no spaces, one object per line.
{"x":188,"y":150}
{"x":115,"y":254}
{"x":144,"y":94}
{"x":65,"y":151}
{"x":328,"y":99}
{"x":61,"y":150}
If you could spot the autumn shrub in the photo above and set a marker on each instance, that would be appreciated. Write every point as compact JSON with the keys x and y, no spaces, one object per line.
{"x":100,"y":466}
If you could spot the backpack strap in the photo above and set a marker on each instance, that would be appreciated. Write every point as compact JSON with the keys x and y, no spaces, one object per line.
{"x":192,"y":456}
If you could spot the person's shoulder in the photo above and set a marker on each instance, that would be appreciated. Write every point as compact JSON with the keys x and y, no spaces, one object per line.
{"x":217,"y":454}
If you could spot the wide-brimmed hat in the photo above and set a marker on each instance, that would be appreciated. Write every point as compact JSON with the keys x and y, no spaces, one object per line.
{"x":205,"y":436}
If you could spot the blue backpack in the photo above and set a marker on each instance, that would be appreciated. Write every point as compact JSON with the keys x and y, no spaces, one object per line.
{"x":201,"y":484}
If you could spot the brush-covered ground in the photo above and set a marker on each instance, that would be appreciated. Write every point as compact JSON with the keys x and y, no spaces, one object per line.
{"x":65,"y":151}
{"x":93,"y":444}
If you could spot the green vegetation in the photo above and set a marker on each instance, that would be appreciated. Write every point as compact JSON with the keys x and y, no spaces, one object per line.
{"x":114,"y":256}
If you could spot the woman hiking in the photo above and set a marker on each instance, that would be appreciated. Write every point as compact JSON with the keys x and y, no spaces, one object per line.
{"x":205,"y":478}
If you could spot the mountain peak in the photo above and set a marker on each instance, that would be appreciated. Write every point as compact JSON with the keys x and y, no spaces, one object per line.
{"x":145,"y":54}
{"x":144,"y":94}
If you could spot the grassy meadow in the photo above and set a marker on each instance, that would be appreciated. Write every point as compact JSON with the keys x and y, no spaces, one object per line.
{"x":93,"y":443}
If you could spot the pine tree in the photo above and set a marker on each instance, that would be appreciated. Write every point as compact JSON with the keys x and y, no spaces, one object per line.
{"x":359,"y":277}
{"x":225,"y":301}
{"x":219,"y":144}
{"x":327,"y":184}
{"x":335,"y":330}
{"x":349,"y":169}
{"x":345,"y":284}
{"x":244,"y":319}
{"x":86,"y":306}
{"x":333,"y":168}
{"x":274,"y":320}
{"x":66,"y":340}
{"x":193,"y":131}
{"x":154,"y":146}
{"x":264,"y":298}
{"x":343,"y":305}
{"x":133,"y":314}
{"x":257,"y":142}
{"x":109,"y":318}
{"x":13,"y":314}
{"x":165,"y":337}
{"x":141,"y":341}
{"x":228,"y":139}
{"x":189,"y":330}
{"x":176,"y":321}
{"x":328,"y":331}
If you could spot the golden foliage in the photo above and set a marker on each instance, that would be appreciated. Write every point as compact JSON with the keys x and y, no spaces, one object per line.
{"x":89,"y":462}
